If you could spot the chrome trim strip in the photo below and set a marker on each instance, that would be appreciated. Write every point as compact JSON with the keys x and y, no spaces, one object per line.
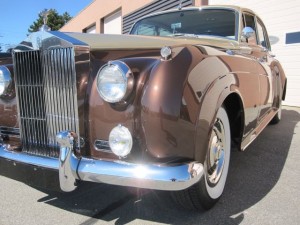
{"x":46,"y":162}
{"x":72,"y":168}
{"x":156,"y":177}
{"x":102,"y":146}
{"x":66,"y":37}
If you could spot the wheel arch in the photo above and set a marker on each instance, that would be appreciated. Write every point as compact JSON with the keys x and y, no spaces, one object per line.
{"x":234,"y":107}
{"x":232,"y":101}
{"x":284,"y":90}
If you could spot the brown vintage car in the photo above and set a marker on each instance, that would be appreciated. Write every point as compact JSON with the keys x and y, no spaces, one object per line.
{"x":159,"y":108}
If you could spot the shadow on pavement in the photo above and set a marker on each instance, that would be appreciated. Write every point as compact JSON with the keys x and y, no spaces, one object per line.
{"x":252,"y":176}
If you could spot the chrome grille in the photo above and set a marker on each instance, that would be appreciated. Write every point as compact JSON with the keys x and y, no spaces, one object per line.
{"x":47,"y":98}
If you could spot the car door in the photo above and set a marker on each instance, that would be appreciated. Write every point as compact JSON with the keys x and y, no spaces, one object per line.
{"x":265,"y":60}
{"x":260,"y":52}
{"x":251,"y":80}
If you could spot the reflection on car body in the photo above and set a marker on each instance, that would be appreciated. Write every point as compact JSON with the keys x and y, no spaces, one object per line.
{"x":159,"y":108}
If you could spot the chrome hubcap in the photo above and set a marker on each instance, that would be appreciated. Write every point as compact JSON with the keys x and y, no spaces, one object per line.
{"x":216,"y":156}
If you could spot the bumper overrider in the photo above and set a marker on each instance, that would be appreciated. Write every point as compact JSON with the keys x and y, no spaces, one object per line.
{"x":72,"y":168}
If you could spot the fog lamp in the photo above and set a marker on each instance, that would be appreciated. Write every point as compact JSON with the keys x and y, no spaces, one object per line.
{"x":120,"y":141}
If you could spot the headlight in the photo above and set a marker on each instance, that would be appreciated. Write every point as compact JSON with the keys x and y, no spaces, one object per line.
{"x":5,"y":79}
{"x":114,"y":81}
{"x":120,"y":141}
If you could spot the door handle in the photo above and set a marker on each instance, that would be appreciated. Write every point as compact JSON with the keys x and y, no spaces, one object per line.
{"x":263,"y":59}
{"x":264,"y":49}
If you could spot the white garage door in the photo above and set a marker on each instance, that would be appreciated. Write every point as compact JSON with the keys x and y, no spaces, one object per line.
{"x":91,"y":30}
{"x":113,"y":23}
{"x":282,"y":19}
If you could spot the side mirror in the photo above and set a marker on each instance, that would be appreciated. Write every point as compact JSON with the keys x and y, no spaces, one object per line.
{"x":247,"y":32}
{"x":273,"y":40}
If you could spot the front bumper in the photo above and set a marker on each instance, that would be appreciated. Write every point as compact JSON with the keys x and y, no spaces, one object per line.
{"x":72,"y":168}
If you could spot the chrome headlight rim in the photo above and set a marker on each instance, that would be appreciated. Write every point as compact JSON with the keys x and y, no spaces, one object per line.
{"x":127,"y":75}
{"x":6,"y":80}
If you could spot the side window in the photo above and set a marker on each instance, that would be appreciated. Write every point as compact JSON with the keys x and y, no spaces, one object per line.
{"x":164,"y":32}
{"x":249,"y":21}
{"x":262,"y":35}
{"x":146,"y":29}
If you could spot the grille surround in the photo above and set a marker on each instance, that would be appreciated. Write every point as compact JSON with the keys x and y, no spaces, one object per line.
{"x":46,"y":97}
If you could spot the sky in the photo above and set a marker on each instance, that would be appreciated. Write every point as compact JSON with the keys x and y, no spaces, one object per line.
{"x":17,"y":15}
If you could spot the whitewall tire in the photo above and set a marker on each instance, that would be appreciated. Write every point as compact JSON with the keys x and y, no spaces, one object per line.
{"x":209,"y":189}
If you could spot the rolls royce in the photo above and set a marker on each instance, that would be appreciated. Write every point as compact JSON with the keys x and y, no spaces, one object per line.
{"x":159,"y":108}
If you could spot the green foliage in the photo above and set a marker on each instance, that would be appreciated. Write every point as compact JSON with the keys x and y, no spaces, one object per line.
{"x":55,"y":21}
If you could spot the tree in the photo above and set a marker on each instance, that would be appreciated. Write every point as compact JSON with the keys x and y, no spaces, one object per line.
{"x":0,"y":48}
{"x":55,"y":21}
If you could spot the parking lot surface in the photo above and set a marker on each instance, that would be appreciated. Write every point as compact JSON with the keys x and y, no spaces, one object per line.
{"x":263,"y":187}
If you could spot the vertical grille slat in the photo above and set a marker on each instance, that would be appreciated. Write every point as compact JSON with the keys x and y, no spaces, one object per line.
{"x":47,"y":98}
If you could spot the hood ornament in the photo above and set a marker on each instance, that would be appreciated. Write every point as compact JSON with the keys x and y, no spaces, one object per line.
{"x":180,"y":5}
{"x":44,"y":14}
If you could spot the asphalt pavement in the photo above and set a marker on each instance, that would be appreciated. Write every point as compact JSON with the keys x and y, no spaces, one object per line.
{"x":263,"y":187}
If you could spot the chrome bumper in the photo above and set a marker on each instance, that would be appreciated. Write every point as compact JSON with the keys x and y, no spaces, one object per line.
{"x":72,"y":168}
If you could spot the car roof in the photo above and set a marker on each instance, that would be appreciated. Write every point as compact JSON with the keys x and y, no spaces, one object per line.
{"x":232,"y":7}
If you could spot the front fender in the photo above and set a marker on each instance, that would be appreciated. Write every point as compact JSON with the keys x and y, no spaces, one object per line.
{"x":167,"y":124}
{"x":211,"y":81}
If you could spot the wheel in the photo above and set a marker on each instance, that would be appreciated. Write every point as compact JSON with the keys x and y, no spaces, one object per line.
{"x":205,"y":193}
{"x":276,"y":119}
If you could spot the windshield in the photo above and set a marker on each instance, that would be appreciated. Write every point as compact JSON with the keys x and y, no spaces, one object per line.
{"x":213,"y":22}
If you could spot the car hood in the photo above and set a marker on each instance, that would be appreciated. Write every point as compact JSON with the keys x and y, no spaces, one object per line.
{"x":104,"y":41}
{"x":45,"y":40}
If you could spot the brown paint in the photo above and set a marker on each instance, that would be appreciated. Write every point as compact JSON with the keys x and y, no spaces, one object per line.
{"x":173,"y":105}
{"x":164,"y":123}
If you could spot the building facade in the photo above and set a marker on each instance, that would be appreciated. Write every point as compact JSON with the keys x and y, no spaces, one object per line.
{"x":281,"y":20}
{"x":117,"y":16}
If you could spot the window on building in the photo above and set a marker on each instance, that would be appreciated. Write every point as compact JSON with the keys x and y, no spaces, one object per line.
{"x":292,"y":38}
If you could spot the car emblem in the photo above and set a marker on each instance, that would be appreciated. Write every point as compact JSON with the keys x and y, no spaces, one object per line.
{"x":180,"y":5}
{"x":44,"y":14}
